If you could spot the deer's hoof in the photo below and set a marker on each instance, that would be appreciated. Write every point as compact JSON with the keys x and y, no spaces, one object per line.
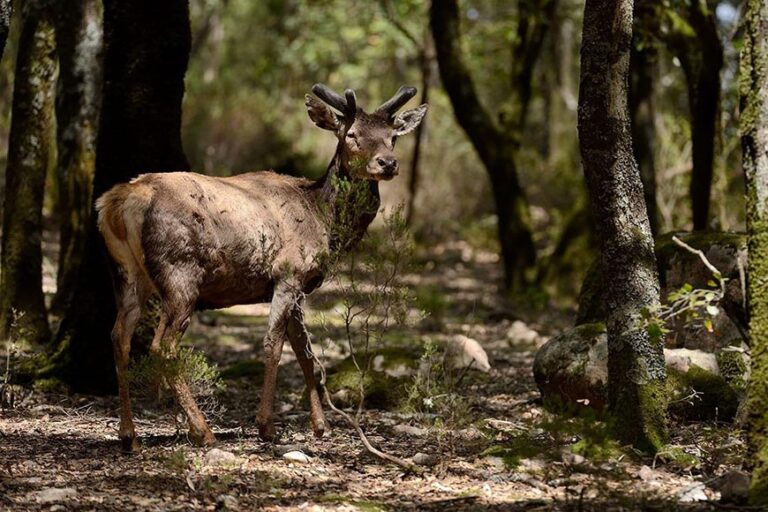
{"x":267,"y":431}
{"x":204,"y":438}
{"x":129,"y":444}
{"x":318,"y":427}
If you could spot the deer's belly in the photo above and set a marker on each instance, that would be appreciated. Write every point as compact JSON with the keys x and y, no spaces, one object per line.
{"x":225,"y":294}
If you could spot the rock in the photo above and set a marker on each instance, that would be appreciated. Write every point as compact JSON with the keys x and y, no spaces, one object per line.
{"x":384,"y":383}
{"x":410,"y":430}
{"x":571,"y":369}
{"x":646,"y":474}
{"x":571,"y":372}
{"x":573,"y":459}
{"x":217,"y":457}
{"x":54,"y":494}
{"x":682,"y":359}
{"x":423,"y":459}
{"x":726,"y":251}
{"x":462,"y":352}
{"x":297,"y":457}
{"x":520,"y":334}
{"x":733,"y":487}
{"x":227,"y":502}
{"x":281,"y":449}
{"x":692,"y":493}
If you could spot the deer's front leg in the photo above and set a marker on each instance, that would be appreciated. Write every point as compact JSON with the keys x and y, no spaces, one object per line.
{"x":282,"y":299}
{"x":300,"y":342}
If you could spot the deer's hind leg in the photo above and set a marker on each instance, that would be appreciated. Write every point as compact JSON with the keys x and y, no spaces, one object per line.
{"x":131,"y":294}
{"x":178,"y":305}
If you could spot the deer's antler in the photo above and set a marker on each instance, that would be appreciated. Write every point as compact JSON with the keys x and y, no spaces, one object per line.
{"x":400,"y":98}
{"x":347,"y":106}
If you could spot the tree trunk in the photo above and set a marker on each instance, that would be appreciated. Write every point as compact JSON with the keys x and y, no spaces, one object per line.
{"x":495,"y":146}
{"x":754,"y":140}
{"x":78,"y":96}
{"x":23,"y":312}
{"x":146,"y":50}
{"x":636,"y":372}
{"x":6,"y":10}
{"x":642,"y":109}
{"x":413,"y":180}
{"x":693,"y":38}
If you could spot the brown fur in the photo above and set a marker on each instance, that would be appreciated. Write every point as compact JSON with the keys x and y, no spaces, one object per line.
{"x":206,"y":242}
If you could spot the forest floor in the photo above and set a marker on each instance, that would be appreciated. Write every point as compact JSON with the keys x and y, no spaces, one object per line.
{"x":502,"y":451}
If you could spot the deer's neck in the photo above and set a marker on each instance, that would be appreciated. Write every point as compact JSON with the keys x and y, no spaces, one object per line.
{"x":350,"y":204}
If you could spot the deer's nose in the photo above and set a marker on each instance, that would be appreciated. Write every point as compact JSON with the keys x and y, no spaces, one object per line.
{"x":387,"y":164}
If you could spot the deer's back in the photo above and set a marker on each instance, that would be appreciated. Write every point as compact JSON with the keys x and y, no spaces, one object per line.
{"x":227,"y":239}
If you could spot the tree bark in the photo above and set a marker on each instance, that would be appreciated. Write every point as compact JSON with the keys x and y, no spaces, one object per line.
{"x":754,"y":140}
{"x":78,"y":98}
{"x":636,"y":371}
{"x":146,"y":50}
{"x":693,"y":38}
{"x":413,"y":180}
{"x":23,"y":313}
{"x":6,"y":9}
{"x":643,"y":63}
{"x":495,"y":145}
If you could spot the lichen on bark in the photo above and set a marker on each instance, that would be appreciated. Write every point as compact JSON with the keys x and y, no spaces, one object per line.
{"x":23,"y":312}
{"x":753,"y":85}
{"x":636,"y":370}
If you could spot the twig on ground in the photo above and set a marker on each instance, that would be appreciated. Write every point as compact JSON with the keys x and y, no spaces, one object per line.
{"x":410,"y":466}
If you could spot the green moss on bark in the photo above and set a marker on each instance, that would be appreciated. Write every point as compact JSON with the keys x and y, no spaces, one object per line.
{"x":23,"y":314}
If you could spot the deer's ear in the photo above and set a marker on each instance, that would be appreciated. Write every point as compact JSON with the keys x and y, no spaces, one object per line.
{"x":407,"y":121}
{"x":321,"y":115}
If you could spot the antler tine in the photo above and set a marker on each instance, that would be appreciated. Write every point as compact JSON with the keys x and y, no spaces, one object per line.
{"x":400,"y":98}
{"x":332,"y":98}
{"x":351,"y":102}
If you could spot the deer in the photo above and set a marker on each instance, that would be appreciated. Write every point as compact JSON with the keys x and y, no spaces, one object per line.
{"x":200,"y":242}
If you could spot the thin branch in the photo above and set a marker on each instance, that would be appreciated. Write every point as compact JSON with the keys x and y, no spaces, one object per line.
{"x":716,"y":273}
{"x":410,"y":466}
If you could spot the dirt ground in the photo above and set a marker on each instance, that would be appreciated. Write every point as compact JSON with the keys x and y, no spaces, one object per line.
{"x":60,"y":452}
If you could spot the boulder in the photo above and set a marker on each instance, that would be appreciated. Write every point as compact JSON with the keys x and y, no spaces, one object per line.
{"x":384,"y":382}
{"x":571,"y":372}
{"x":726,"y":251}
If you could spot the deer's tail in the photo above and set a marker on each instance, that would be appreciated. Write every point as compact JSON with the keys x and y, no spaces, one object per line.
{"x":121,"y":213}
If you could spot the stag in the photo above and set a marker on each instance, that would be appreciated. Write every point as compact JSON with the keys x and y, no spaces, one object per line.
{"x":201,"y":242}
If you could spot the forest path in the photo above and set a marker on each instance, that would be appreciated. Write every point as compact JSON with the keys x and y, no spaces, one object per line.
{"x":504,"y":452}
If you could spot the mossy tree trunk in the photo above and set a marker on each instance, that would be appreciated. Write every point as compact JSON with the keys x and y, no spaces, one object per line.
{"x":691,"y":34}
{"x":643,"y":66}
{"x":754,"y":140}
{"x":146,"y":50}
{"x":78,"y":98}
{"x":636,"y":372}
{"x":497,"y":143}
{"x":23,"y":313}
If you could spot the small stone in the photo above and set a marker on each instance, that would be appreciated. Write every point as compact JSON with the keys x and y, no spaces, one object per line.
{"x":227,"y":502}
{"x":573,"y":459}
{"x":54,"y":494}
{"x":217,"y":457}
{"x":281,"y":449}
{"x":423,"y":459}
{"x":410,"y":430}
{"x":297,"y":456}
{"x":692,"y":493}
{"x":646,"y":474}
{"x":520,"y":333}
{"x":734,"y":487}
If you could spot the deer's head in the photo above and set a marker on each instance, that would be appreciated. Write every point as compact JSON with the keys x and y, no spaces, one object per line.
{"x":366,"y":141}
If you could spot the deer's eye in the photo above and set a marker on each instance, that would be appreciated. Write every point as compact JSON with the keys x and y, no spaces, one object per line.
{"x":352,"y":136}
{"x":394,"y":139}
